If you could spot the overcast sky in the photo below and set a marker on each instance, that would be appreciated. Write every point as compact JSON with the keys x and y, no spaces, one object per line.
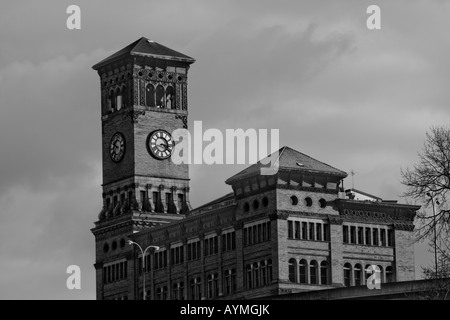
{"x":354,"y":98}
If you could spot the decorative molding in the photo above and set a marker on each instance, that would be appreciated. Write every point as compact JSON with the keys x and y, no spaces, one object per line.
{"x":183,"y":118}
{"x":335,"y":220}
{"x":134,"y":115}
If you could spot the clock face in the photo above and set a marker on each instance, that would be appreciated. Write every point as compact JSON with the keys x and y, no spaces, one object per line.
{"x":117,"y":147}
{"x":160,"y":144}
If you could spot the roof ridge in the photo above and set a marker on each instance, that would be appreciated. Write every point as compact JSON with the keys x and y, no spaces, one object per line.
{"x":316,"y":159}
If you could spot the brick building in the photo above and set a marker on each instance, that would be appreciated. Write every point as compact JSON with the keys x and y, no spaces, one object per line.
{"x":289,"y":232}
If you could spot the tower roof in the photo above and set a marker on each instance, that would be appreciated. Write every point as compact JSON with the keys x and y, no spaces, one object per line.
{"x":290,"y":159}
{"x":145,"y":47}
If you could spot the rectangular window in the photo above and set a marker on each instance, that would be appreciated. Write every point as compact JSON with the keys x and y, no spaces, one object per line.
{"x":297,"y":230}
{"x":375,"y":236}
{"x":311,"y":231}
{"x":142,"y":197}
{"x":319,"y":231}
{"x":304,"y":231}
{"x":383,"y":237}
{"x":180,"y":202}
{"x":169,"y":202}
{"x":345,"y":233}
{"x":255,"y":235}
{"x":269,"y":230}
{"x":115,"y":201}
{"x":122,"y":198}
{"x":290,"y":230}
{"x":368,"y":237}
{"x":245,"y":236}
{"x":326,"y":232}
{"x":352,"y":234}
{"x":155,"y":200}
{"x":360,"y":235}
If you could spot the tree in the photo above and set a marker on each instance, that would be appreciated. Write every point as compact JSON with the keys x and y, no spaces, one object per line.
{"x":428,"y":182}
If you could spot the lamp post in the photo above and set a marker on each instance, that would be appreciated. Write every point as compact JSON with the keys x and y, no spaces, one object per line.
{"x":434,"y":225}
{"x":143,"y":263}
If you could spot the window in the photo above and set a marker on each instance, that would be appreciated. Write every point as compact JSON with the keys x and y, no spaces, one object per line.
{"x":290,"y":229}
{"x":269,"y":270}
{"x":227,"y":282}
{"x":326,"y":232}
{"x":263,"y":273}
{"x":304,"y":231}
{"x":383,"y":237}
{"x":375,"y":236}
{"x":360,"y":235}
{"x":199,"y":288}
{"x":311,"y":231}
{"x":390,"y":236}
{"x":294,"y":200}
{"x":347,"y":273}
{"x":265,"y":201}
{"x":256,"y":275}
{"x":142,"y":199}
{"x":313,"y":272}
{"x":322,"y":203}
{"x":249,"y":276}
{"x":381,"y":274}
{"x":302,"y":271}
{"x":193,"y":250}
{"x":118,"y":99}
{"x":297,"y":230}
{"x":389,"y":274}
{"x":308,"y":201}
{"x":255,"y":205}
{"x":169,"y":202}
{"x":324,"y":273}
{"x":368,"y":271}
{"x":319,"y":231}
{"x":229,"y":241}
{"x":368,"y":237}
{"x":292,"y":269}
{"x":180,"y":203}
{"x":345,"y":233}
{"x":160,"y":97}
{"x":357,"y":275}
{"x":246,"y":207}
{"x":170,"y":94}
{"x":352,"y":234}
{"x":150,"y":96}
{"x":156,"y":201}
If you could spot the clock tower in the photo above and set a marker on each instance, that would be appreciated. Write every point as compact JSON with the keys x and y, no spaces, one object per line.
{"x":143,"y":100}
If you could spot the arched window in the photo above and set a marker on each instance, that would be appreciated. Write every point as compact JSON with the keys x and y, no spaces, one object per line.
{"x":303,"y":265}
{"x":170,"y":98}
{"x":255,"y":275}
{"x":210,"y":287}
{"x":160,"y":96}
{"x":249,"y":276}
{"x":199,"y":288}
{"x":368,"y":271}
{"x":118,"y":99}
{"x":159,"y":293}
{"x":125,"y":101}
{"x":357,"y":275}
{"x":389,"y":274}
{"x":381,"y":274}
{"x":292,"y":268}
{"x":269,"y":270}
{"x":175,"y":291}
{"x":150,"y":96}
{"x":263,"y":273}
{"x":313,"y":272}
{"x":164,"y":293}
{"x":192,"y":288}
{"x":347,"y":274}
{"x":112,"y":101}
{"x":324,"y":273}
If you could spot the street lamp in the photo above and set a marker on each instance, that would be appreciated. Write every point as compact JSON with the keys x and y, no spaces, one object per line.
{"x":434,"y":224}
{"x":143,"y":263}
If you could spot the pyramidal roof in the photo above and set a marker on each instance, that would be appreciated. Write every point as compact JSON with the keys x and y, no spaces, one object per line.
{"x":145,"y":47}
{"x":290,"y":159}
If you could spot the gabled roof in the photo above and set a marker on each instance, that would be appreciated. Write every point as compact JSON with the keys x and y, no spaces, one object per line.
{"x":290,"y":159}
{"x":145,"y":47}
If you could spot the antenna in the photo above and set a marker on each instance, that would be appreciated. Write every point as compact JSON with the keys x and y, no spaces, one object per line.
{"x":353,"y":174}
